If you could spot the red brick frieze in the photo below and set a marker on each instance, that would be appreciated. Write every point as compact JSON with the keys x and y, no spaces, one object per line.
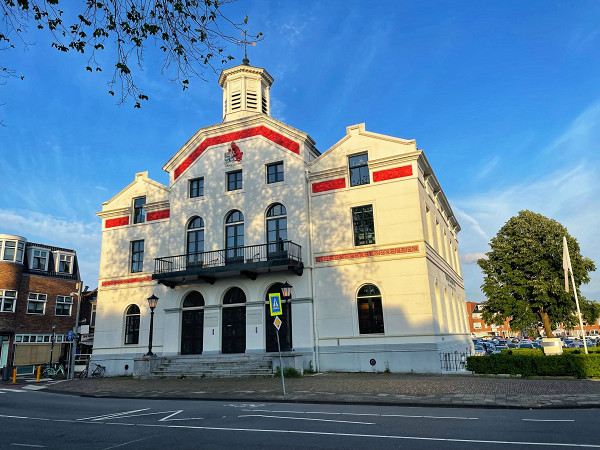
{"x":126,"y":281}
{"x":329,"y":185}
{"x":116,"y":222}
{"x":271,"y":135}
{"x":389,"y":174}
{"x":156,"y":215}
{"x":369,"y":253}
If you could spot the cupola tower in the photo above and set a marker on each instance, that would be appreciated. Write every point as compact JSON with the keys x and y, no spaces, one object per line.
{"x":245,"y":92}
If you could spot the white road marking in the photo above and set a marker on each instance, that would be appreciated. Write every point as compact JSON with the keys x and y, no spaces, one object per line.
{"x":364,"y":414}
{"x":110,"y":416}
{"x":34,"y":387}
{"x":28,"y":445}
{"x":324,"y":433}
{"x":127,"y":443}
{"x":4,"y":390}
{"x":305,"y":418}
{"x":548,"y":420}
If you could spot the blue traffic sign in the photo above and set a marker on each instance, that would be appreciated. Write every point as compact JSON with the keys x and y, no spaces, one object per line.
{"x":69,"y":335}
{"x":275,"y":304}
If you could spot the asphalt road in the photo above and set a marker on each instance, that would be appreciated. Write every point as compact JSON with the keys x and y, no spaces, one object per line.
{"x":37,"y":419}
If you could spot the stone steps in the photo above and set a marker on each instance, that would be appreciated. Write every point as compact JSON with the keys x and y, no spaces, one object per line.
{"x":197,"y":366}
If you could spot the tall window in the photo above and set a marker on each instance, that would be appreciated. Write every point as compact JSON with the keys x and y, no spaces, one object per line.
{"x":276,"y":230}
{"x":364,"y":227}
{"x":359,"y":170}
{"x":63,"y":305}
{"x":10,"y":251}
{"x":370,"y":310}
{"x":139,"y":213}
{"x":132,"y":325}
{"x":137,"y":256}
{"x":65,"y":263}
{"x":36,"y":303}
{"x":39,"y":260}
{"x":8,"y":300}
{"x":234,"y":180}
{"x":274,"y":172}
{"x":197,"y":187}
{"x":93,"y":316}
{"x":234,"y":237}
{"x":195,"y":241}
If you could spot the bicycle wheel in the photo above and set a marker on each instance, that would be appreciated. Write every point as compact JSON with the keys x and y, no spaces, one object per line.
{"x":83,"y":373}
{"x":46,"y":372}
{"x":101,"y":371}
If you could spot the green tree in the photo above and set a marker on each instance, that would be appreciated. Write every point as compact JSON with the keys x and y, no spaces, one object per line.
{"x":192,"y":35}
{"x":524,"y":277}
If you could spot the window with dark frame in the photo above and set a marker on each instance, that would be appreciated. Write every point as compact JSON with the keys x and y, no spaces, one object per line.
{"x":63,"y":305}
{"x":36,"y":303}
{"x":370,"y":310}
{"x":234,"y":180}
{"x":274,"y":172}
{"x":359,"y":169}
{"x":40,"y":259}
{"x":132,"y":325}
{"x":364,"y":226}
{"x":137,"y":256}
{"x":197,"y":187}
{"x":139,"y":213}
{"x":8,"y":300}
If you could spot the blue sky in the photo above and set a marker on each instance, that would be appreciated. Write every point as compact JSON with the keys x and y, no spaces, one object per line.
{"x":503,"y":97}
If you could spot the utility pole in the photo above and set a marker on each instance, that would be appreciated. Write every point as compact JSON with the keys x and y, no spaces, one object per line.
{"x":75,"y":332}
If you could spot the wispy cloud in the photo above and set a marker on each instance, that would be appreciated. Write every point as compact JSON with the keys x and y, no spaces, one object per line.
{"x":84,"y":238}
{"x":470,"y":258}
{"x":569,"y":196}
{"x":488,"y":167}
{"x":583,"y":131}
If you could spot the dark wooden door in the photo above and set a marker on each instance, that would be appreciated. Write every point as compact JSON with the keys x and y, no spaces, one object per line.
{"x":285,"y":331}
{"x":192,"y":332}
{"x":234,"y":330}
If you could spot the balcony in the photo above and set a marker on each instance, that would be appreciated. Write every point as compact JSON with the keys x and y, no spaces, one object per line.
{"x":248,"y":261}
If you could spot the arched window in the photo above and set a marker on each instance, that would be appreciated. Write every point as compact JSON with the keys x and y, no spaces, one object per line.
{"x":276,"y":231}
{"x":233,"y":296}
{"x":234,"y":237}
{"x":132,"y":325}
{"x":370,"y":310}
{"x":195,"y":241}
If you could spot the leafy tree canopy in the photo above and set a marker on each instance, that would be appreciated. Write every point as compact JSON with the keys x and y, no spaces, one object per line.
{"x":192,"y":35}
{"x":524,"y":277}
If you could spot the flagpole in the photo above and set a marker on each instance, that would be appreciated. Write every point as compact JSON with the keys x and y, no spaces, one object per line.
{"x":569,"y":268}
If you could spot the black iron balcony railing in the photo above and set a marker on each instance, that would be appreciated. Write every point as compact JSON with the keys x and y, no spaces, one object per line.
{"x":279,"y":253}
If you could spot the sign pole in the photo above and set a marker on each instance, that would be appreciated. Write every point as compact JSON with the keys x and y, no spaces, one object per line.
{"x":280,"y":362}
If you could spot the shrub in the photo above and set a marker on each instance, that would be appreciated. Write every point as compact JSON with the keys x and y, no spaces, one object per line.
{"x":288,"y":372}
{"x":531,"y":364}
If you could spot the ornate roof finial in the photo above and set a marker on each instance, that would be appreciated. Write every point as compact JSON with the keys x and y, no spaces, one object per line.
{"x":245,"y":42}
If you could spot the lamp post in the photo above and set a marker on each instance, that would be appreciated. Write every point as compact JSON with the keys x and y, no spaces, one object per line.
{"x":75,"y":331}
{"x":52,"y":339}
{"x":152,"y":301}
{"x":286,"y":290}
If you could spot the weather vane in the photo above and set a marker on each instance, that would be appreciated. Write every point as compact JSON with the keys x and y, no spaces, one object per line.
{"x":245,"y":43}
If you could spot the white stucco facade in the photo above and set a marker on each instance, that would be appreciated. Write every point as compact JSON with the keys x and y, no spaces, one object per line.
{"x":390,"y":232}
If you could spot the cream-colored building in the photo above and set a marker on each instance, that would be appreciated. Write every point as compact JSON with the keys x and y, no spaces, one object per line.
{"x":363,"y":233}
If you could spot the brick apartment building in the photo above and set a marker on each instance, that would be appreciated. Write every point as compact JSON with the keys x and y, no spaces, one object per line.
{"x":480,"y":329}
{"x":37,"y":301}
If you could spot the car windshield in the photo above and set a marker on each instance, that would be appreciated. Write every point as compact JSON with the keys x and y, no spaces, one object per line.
{"x":479,"y":348}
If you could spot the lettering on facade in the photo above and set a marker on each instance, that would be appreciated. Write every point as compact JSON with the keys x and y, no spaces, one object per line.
{"x":450,"y":280}
{"x":211,"y":319}
{"x":254,"y":317}
{"x":387,"y":251}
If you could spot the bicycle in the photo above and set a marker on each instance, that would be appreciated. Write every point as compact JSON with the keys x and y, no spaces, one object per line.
{"x":98,"y":371}
{"x":49,"y":371}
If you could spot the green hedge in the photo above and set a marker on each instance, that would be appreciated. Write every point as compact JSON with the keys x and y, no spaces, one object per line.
{"x":528,"y":363}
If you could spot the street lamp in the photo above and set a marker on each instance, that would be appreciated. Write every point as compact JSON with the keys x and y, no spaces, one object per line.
{"x":52,"y":339}
{"x":152,"y":301}
{"x":286,"y":290}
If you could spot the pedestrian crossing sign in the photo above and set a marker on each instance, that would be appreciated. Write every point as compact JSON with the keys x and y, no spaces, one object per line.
{"x":275,"y":304}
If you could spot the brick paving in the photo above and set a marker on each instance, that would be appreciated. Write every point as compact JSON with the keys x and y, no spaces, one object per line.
{"x":354,"y":388}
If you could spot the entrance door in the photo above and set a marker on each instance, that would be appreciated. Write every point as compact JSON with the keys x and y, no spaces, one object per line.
{"x":285,"y":331}
{"x":192,"y":331}
{"x":192,"y":324}
{"x":234,"y":322}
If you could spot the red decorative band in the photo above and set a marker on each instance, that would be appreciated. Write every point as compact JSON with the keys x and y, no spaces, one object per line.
{"x":328,"y":185}
{"x":387,"y":251}
{"x":389,"y":174}
{"x":116,"y":222}
{"x":127,"y":281}
{"x":271,"y":135}
{"x":156,"y":215}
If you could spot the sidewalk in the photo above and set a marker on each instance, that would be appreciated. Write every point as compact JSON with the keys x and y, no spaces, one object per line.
{"x":354,"y":388}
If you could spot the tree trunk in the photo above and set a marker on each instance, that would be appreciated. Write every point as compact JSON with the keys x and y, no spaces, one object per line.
{"x":546,"y":323}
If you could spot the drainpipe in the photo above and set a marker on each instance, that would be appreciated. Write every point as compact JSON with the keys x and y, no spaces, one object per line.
{"x":312,"y":274}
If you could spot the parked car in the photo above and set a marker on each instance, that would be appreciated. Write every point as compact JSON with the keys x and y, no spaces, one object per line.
{"x":499,"y":348}
{"x":525,"y":344}
{"x":479,"y":350}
